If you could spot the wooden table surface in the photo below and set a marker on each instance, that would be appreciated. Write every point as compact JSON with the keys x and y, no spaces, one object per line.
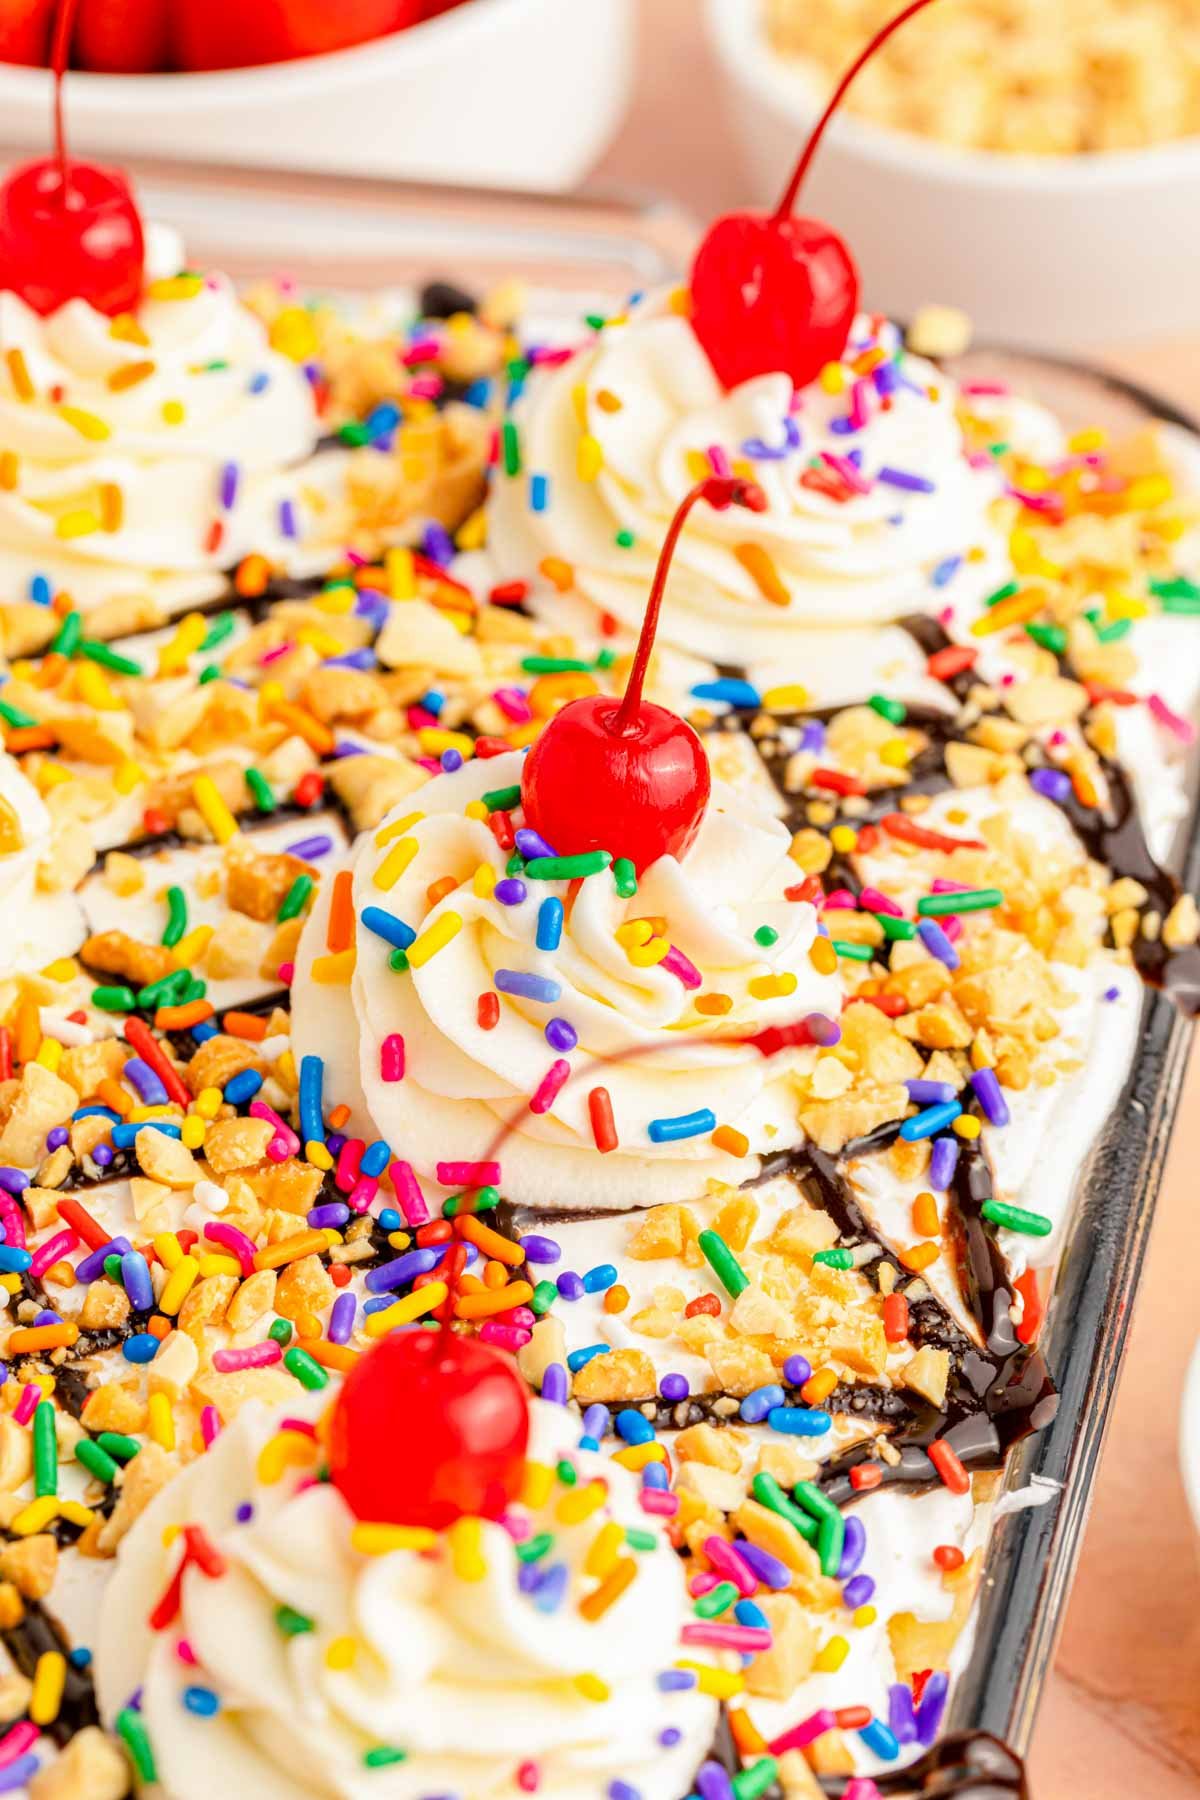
{"x":1120,"y":1719}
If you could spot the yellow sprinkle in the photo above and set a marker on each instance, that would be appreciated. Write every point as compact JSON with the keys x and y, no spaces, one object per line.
{"x":81,"y":522}
{"x":967,"y":1126}
{"x":579,"y":1503}
{"x":698,"y":465}
{"x":1126,"y":606}
{"x":592,"y":1687}
{"x":864,"y":1616}
{"x":413,"y":1306}
{"x":173,"y":412}
{"x":213,"y":810}
{"x":1147,"y":491}
{"x":789,"y":698}
{"x":49,"y":1679}
{"x":11,"y":1284}
{"x":335,"y":969}
{"x":636,"y":1456}
{"x":604,"y":1549}
{"x":434,"y":938}
{"x":483,"y":882}
{"x":832,"y":1655}
{"x":36,"y":1516}
{"x":833,"y":378}
{"x":475,"y":809}
{"x":191,"y":948}
{"x":180,"y":1282}
{"x":64,"y":968}
{"x":336,"y":600}
{"x":401,"y":573}
{"x":175,"y":287}
{"x":218,"y":1265}
{"x":126,"y":330}
{"x":87,"y":424}
{"x":722,"y":1684}
{"x":76,"y":1512}
{"x":895,"y":753}
{"x":208,"y":1102}
{"x":589,"y":457}
{"x":168,"y":1249}
{"x":726,"y":1137}
{"x":192,"y":1132}
{"x":286,"y":1450}
{"x":634,"y":932}
{"x":773,"y":987}
{"x":466,"y":1549}
{"x":843,"y":838}
{"x":316,"y":1154}
{"x":50,"y":1054}
{"x":649,"y":954}
{"x":536,"y":1484}
{"x":1016,"y":610}
{"x":341,"y":1653}
{"x":128,"y":775}
{"x":1082,"y":443}
{"x":381,"y":1540}
{"x":433,"y":739}
{"x":91,"y":685}
{"x":162,"y":1421}
{"x":323,"y":642}
{"x":18,"y":370}
{"x":395,"y":862}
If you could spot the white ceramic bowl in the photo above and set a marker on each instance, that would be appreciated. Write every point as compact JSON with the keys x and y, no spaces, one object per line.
{"x":1042,"y":251}
{"x":1189,"y":1436}
{"x":501,"y":93}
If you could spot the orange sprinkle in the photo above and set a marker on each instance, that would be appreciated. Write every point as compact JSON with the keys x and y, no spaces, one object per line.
{"x":746,"y":1735}
{"x":502,"y":1249}
{"x":763,"y":573}
{"x":30,"y":737}
{"x":303,"y":1243}
{"x":484,"y":1306}
{"x":495,"y":1275}
{"x":818,"y":1387}
{"x":44,"y":1337}
{"x":54,"y":667}
{"x":339,"y":933}
{"x":713,"y":1005}
{"x":129,"y":375}
{"x":160,"y":1327}
{"x":27,"y":1039}
{"x":338,"y":1116}
{"x":253,"y":574}
{"x":248,"y":1026}
{"x":558,"y":573}
{"x":179,"y":1018}
{"x":925,"y":1215}
{"x":9,"y":467}
{"x":596,"y":1604}
{"x":616,"y":1298}
{"x":725,"y":1137}
{"x":112,"y":506}
{"x":113,"y":1095}
{"x":318,"y":737}
{"x":437,"y":890}
{"x":330,"y":1356}
{"x":18,"y":370}
{"x":919,"y":1257}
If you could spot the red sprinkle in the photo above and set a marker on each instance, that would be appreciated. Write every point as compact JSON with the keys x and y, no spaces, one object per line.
{"x":501,"y":828}
{"x":142,"y":1040}
{"x":154,"y":823}
{"x":487,"y":1011}
{"x":864,"y":1476}
{"x":895,"y":1318}
{"x":809,"y":889}
{"x":899,"y":825}
{"x":491,"y":746}
{"x":852,"y":1718}
{"x":945,"y":1461}
{"x":6,"y":1053}
{"x":954,"y":660}
{"x":508,"y":593}
{"x":604,"y":1130}
{"x":438,"y":1231}
{"x":891,"y":1005}
{"x":310,"y":789}
{"x":1031,"y":1318}
{"x":703,"y":1303}
{"x":339,"y":1274}
{"x":835,"y":782}
{"x":948,"y":1557}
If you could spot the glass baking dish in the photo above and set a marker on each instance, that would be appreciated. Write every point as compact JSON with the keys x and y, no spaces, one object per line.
{"x":358,"y":235}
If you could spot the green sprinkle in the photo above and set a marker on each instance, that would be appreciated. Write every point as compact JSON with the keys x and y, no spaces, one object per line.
{"x":1003,"y":593}
{"x":640,"y":1540}
{"x":1112,"y":634}
{"x":534,"y":1547}
{"x":1049,"y":637}
{"x":852,"y":952}
{"x":595,"y":321}
{"x":218,"y":631}
{"x":1177,"y":588}
{"x":716,"y":1601}
{"x":195,"y":990}
{"x":624,"y":540}
{"x":766,"y":935}
{"x":293,"y":1623}
{"x":281,"y":1331}
{"x":177,"y":917}
{"x":382,"y":1756}
{"x":515,"y":864}
{"x":45,"y":1450}
{"x":12,"y":715}
{"x":112,"y":1266}
{"x":260,"y":787}
{"x":306,"y":1369}
{"x":115,"y":1444}
{"x":605,"y":659}
{"x":517,"y":369}
{"x":567,"y":868}
{"x":485,"y":1199}
{"x":137,"y":1742}
{"x":1015,"y":1218}
{"x":936,"y":906}
{"x":625,"y":878}
{"x":503,"y":799}
{"x":211,"y":673}
{"x":751,"y":1783}
{"x":353,"y":433}
{"x":896,"y":930}
{"x":1001,"y":449}
{"x":768,"y":1493}
{"x":66,"y":639}
{"x":835,"y":1259}
{"x":398,"y":960}
{"x":723,"y":1263}
{"x":1183,"y":604}
{"x":894,"y":711}
{"x":96,"y":1461}
{"x":114,"y":999}
{"x":296,"y":898}
{"x":107,"y":657}
{"x":554,"y":665}
{"x":543,"y":1297}
{"x":831,"y":1529}
{"x":567,"y":1473}
{"x":510,"y":445}
{"x":165,"y":991}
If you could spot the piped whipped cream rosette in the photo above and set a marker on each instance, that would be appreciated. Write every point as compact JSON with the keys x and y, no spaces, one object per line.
{"x":305,"y":1653}
{"x":586,"y":1031}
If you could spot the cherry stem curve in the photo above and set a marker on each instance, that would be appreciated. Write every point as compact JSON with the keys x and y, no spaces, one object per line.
{"x":787,"y":204}
{"x":720,"y":491}
{"x":64,"y":25}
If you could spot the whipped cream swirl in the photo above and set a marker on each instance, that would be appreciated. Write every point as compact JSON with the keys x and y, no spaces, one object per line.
{"x":634,"y":1030}
{"x":471,"y":1678}
{"x":147,"y":454}
{"x":624,"y":428}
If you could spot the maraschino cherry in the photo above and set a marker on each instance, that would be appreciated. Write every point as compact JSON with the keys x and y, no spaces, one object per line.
{"x":68,"y":230}
{"x":774,"y":292}
{"x":430,"y":1427}
{"x":625,"y":775}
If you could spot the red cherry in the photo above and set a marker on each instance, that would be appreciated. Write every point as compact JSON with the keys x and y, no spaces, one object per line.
{"x":234,"y":34}
{"x":430,"y":1427}
{"x":625,"y":775}
{"x":69,"y":230}
{"x":25,"y":30}
{"x":123,"y":37}
{"x":771,"y":292}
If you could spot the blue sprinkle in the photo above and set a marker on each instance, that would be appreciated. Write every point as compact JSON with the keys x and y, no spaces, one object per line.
{"x":206,"y":1029}
{"x":243,"y":1086}
{"x":685,"y":1125}
{"x":728,"y":689}
{"x":80,"y":1657}
{"x":539,"y":493}
{"x":746,"y":1613}
{"x":579,"y":1359}
{"x":312,"y":1071}
{"x":603,"y":1276}
{"x":201,"y":1701}
{"x":880,"y":1741}
{"x":759,"y":1401}
{"x":551,"y":1589}
{"x":433,"y":702}
{"x":375,"y":1159}
{"x":40,"y":591}
{"x":391,"y":1220}
{"x":655,"y":1476}
{"x":259,"y":382}
{"x":528,"y":987}
{"x":14,"y":1262}
{"x":549,"y":923}
{"x":392,"y":930}
{"x":799,"y":1421}
{"x":946,"y":571}
{"x":634,"y":1426}
{"x":124,"y":1135}
{"x":140,"y":1348}
{"x":932,"y":1120}
{"x":675,"y":1681}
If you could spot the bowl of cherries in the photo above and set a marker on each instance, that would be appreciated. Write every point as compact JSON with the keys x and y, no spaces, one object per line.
{"x":534,"y":88}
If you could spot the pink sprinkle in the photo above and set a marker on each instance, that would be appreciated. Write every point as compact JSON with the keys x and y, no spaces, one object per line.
{"x":513,"y":705}
{"x":391,"y":1057}
{"x":1179,"y":727}
{"x":429,"y":763}
{"x":426,"y":387}
{"x":350,"y":1155}
{"x":861,"y":1788}
{"x":654,"y":1500}
{"x":871,"y":900}
{"x":528,"y":1776}
{"x":952,"y":925}
{"x":841,"y":899}
{"x":260,"y":1110}
{"x":13,"y":1222}
{"x":232,"y":1239}
{"x":718,"y":461}
{"x":270,"y":656}
{"x":985,"y":387}
{"x":16,"y":1742}
{"x":52,"y":1251}
{"x":419,"y":719}
{"x":941,"y":884}
{"x":468,"y":1174}
{"x":287,"y":973}
{"x":185,"y":1653}
{"x":846,"y":471}
{"x":27,"y":1405}
{"x":1057,"y":737}
{"x":355,"y":557}
{"x":423,"y":350}
{"x":726,"y":1637}
{"x":253,"y":1356}
{"x":544,"y":354}
{"x":703,"y":1583}
{"x":858,"y":404}
{"x":550,"y":1086}
{"x":682,"y":967}
{"x":210,"y":1425}
{"x":277,"y":1150}
{"x":505,"y":1337}
{"x":521,"y":1316}
{"x":729,"y":1563}
{"x":808,"y":1730}
{"x":979,"y":459}
{"x":303,"y":1427}
{"x":409,"y":1198}
{"x":362,"y":1193}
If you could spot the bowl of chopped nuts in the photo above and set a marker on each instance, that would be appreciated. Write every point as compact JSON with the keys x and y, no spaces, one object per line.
{"x":1058,"y":224}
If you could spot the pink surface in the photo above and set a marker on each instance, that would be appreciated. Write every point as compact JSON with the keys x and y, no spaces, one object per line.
{"x":1121,"y":1716}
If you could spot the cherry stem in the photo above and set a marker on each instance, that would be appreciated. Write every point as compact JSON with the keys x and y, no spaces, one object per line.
{"x":64,"y":25}
{"x":787,"y":204}
{"x":720,"y":491}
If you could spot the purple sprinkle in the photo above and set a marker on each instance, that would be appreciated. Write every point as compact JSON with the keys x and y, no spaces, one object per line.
{"x":229,"y":485}
{"x":1112,"y":993}
{"x":937,"y":943}
{"x":854,"y":1546}
{"x":674,"y":1387}
{"x":541,"y":1249}
{"x":858,"y":1592}
{"x":812,"y":738}
{"x":287,"y":519}
{"x":334,"y":1213}
{"x":901,"y":1717}
{"x":401,"y":1270}
{"x":92,"y":1267}
{"x":933,"y":1705}
{"x":341,"y":1318}
{"x":674,"y":1681}
{"x":946,"y":571}
{"x":943,"y":1163}
{"x":56,"y":1137}
{"x":570,"y":1285}
{"x":597,"y":1421}
{"x":669,"y":1737}
{"x":19,"y":1773}
{"x":901,"y":478}
{"x":530,"y":844}
{"x":13,"y":1181}
{"x":987,"y":1088}
{"x":713,"y":1783}
{"x":510,"y":891}
{"x":244,"y":1513}
{"x":310,"y":848}
{"x":796,"y":1370}
{"x":930,"y":1093}
{"x":822,"y":1030}
{"x":335,"y":1143}
{"x":555,"y":1384}
{"x":538,"y":988}
{"x":147,"y":1083}
{"x":363,"y":658}
{"x":1052,"y":784}
{"x":621,"y":1790}
{"x":102,"y":1155}
{"x":437,"y":544}
{"x":561,"y":1035}
{"x":529,"y":1578}
{"x":886,"y":378}
{"x":451,"y":760}
{"x":47,"y":1317}
{"x":769,"y":1569}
